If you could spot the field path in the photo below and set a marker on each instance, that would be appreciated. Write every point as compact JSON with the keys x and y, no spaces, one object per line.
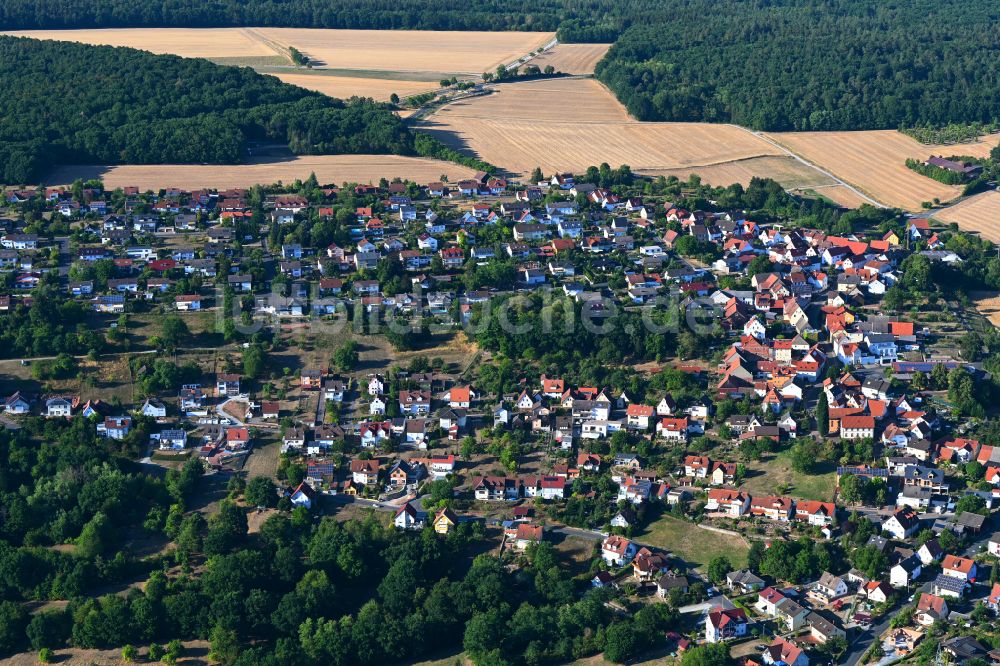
{"x":823,"y":171}
{"x":255,"y":35}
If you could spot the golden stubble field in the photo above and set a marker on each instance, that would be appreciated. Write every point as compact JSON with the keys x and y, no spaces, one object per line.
{"x":351,"y":86}
{"x":190,"y":43}
{"x":874,"y":162}
{"x":570,"y":124}
{"x":336,"y":169}
{"x":572,"y":58}
{"x":409,"y":50}
{"x":980,"y":213}
{"x":988,"y":304}
{"x":840,"y":194}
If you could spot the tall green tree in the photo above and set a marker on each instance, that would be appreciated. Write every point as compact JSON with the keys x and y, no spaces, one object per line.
{"x":823,"y":415}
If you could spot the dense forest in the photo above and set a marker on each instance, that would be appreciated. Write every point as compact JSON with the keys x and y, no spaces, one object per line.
{"x":72,"y":103}
{"x":794,"y":65}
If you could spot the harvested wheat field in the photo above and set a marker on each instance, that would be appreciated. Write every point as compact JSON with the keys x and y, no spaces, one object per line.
{"x":980,"y":214}
{"x":874,"y":162}
{"x":788,"y":171}
{"x":200,"y":43}
{"x":988,"y":305}
{"x":570,"y":124}
{"x":349,"y":86}
{"x":841,"y":195}
{"x":328,"y":169}
{"x":408,"y":50}
{"x":572,"y":58}
{"x":549,"y":101}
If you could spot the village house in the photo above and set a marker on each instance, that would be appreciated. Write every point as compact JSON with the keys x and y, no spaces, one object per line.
{"x":527,"y":534}
{"x":115,"y":427}
{"x":744,"y":581}
{"x":829,"y":587}
{"x":647,"y":565}
{"x":905,"y":571}
{"x":877,"y":591}
{"x":408,"y":518}
{"x":961,"y":568}
{"x":725,"y":624}
{"x":816,"y":513}
{"x":303,"y":495}
{"x":822,"y":628}
{"x":444,"y":521}
{"x":496,"y":488}
{"x":782,"y":652}
{"x":945,"y":585}
{"x":414,"y":402}
{"x":930,"y":609}
{"x":902,"y":524}
{"x":731,"y":503}
{"x":364,"y":472}
{"x":780,"y":509}
{"x":60,"y":406}
{"x":617,"y":551}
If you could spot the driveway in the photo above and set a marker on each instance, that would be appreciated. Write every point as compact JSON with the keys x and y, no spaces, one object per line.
{"x":720,"y":602}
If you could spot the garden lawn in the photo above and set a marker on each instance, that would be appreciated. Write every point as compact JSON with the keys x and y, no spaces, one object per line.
{"x":695,"y":545}
{"x":765,"y":476}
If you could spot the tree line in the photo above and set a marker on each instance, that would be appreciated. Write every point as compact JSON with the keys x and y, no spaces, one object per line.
{"x":74,"y":103}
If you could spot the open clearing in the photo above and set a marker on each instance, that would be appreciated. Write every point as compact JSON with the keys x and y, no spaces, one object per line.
{"x":694,"y":545}
{"x":774,"y":475}
{"x":572,"y":58}
{"x":328,"y":169}
{"x":350,"y":86}
{"x":980,"y":214}
{"x":874,"y":162}
{"x":786,"y":170}
{"x":572,"y":123}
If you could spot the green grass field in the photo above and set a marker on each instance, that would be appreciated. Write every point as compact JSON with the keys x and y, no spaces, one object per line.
{"x":695,"y":545}
{"x":765,"y":476}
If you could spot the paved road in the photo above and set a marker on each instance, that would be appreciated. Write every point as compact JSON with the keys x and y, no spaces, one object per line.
{"x":134,"y":352}
{"x":590,"y":535}
{"x":320,"y":408}
{"x":376,"y":504}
